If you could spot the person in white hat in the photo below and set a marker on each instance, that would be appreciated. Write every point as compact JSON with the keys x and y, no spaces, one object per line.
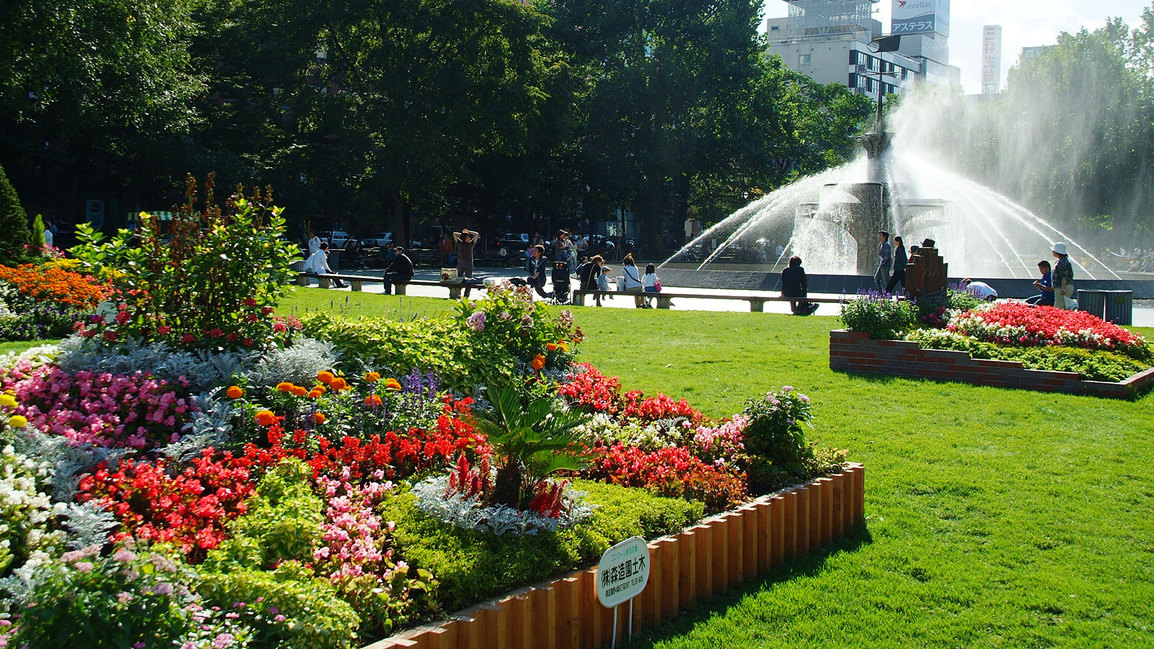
{"x":1063,"y":278}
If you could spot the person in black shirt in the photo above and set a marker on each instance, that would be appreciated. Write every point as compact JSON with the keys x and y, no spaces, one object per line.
{"x":398,"y":272}
{"x":900,"y":261}
{"x":535,"y":269}
{"x":794,"y":285}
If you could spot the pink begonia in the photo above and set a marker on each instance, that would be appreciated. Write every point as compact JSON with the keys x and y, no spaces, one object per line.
{"x":114,"y":410}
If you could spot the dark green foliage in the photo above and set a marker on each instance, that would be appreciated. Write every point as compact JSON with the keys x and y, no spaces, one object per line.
{"x":472,"y":566}
{"x":14,"y":234}
{"x":38,"y":321}
{"x":779,"y":454}
{"x":881,"y":317}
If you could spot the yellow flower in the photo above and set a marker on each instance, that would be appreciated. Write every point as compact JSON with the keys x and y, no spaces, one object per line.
{"x":7,"y":400}
{"x":17,"y":421}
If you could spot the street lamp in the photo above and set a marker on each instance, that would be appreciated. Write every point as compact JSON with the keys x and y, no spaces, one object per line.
{"x":877,"y":46}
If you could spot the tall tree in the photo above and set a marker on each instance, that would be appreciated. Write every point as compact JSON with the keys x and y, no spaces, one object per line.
{"x":88,"y":88}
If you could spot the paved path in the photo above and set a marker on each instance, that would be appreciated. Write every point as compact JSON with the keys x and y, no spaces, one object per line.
{"x":1143,"y":309}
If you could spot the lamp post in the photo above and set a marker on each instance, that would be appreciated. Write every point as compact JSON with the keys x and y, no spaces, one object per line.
{"x":877,"y":46}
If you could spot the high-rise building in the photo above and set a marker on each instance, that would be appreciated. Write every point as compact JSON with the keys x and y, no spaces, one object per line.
{"x":991,"y":59}
{"x":835,"y":41}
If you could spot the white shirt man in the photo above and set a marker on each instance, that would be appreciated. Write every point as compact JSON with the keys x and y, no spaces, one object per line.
{"x":314,"y":245}
{"x":318,"y":263}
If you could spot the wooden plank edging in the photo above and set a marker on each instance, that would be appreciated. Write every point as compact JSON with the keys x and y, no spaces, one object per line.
{"x":686,"y":569}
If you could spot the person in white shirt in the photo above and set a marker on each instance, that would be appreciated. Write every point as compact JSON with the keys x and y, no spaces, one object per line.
{"x":651,"y":282}
{"x":982,"y":290}
{"x":314,"y":245}
{"x":632,"y":281}
{"x":318,"y":263}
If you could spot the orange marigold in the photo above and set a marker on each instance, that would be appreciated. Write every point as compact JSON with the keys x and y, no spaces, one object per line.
{"x":284,"y":386}
{"x":392,"y":384}
{"x":234,"y":392}
{"x":538,"y":362}
{"x":53,"y":284}
{"x":372,"y":377}
{"x":265,"y":418}
{"x":298,"y":391}
{"x":338,"y":384}
{"x":315,"y":393}
{"x":373,"y":400}
{"x":319,"y":418}
{"x":325,"y":376}
{"x":551,"y":347}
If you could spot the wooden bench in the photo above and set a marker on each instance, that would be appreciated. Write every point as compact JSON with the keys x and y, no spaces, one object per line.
{"x":357,"y":283}
{"x":665,"y":298}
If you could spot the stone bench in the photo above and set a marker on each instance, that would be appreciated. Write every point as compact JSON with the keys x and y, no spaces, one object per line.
{"x":357,"y":282}
{"x":665,"y":298}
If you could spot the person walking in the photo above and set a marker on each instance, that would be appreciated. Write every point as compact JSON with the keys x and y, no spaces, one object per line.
{"x":1063,"y":277}
{"x":900,"y":261}
{"x":318,"y":264}
{"x":885,"y":262}
{"x":633,"y":282}
{"x":398,"y":272}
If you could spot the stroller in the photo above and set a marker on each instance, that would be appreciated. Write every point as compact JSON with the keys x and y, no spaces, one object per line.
{"x":561,"y":282}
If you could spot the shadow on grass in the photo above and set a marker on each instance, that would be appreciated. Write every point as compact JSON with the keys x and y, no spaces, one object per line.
{"x":806,"y":566}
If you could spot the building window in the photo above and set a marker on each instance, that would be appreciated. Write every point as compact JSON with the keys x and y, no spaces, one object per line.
{"x":853,"y":58}
{"x":804,"y":59}
{"x":852,"y":80}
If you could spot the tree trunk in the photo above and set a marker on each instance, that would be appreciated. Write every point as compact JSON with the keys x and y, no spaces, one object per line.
{"x":507,"y":488}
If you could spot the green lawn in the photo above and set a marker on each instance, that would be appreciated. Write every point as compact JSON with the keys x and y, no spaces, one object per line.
{"x":996,"y":518}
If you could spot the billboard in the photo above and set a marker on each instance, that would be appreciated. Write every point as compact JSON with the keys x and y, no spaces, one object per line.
{"x":920,"y":17}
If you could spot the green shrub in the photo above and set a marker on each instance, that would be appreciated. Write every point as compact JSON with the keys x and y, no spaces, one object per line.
{"x":208,"y":279}
{"x":881,"y":317}
{"x":396,"y":348}
{"x":283,"y":522}
{"x":472,"y":566}
{"x":779,"y":454}
{"x":14,"y":233}
{"x":1092,"y":365}
{"x":314,"y":616}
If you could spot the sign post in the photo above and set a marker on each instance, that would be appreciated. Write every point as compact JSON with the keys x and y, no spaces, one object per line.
{"x":622,"y":575}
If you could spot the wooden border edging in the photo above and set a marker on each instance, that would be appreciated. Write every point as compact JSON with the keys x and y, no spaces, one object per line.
{"x":685,"y":569}
{"x":853,"y":351}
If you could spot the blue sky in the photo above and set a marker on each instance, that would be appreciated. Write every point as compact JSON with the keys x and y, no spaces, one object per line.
{"x":1024,"y":23}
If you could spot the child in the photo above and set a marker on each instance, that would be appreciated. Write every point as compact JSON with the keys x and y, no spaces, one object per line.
{"x":1045,"y":285}
{"x":603,"y":282}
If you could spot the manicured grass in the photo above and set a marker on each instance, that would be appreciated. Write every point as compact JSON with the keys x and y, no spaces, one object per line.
{"x":995,"y":517}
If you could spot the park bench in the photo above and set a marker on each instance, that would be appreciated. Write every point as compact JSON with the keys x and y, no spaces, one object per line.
{"x":664,"y":298}
{"x":357,"y":282}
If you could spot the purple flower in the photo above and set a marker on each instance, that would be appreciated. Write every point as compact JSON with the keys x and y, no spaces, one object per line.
{"x":476,"y":321}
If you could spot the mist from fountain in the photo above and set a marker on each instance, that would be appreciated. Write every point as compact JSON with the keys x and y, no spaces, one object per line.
{"x":980,"y":232}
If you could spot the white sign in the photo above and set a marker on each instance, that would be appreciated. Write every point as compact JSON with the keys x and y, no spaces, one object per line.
{"x":623,"y":572}
{"x":920,"y":16}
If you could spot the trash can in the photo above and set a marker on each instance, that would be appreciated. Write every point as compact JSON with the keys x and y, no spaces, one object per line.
{"x":335,"y":260}
{"x":1092,"y":302}
{"x":1119,"y":307}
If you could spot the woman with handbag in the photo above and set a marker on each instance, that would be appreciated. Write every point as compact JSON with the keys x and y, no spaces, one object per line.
{"x":651,"y":282}
{"x":632,"y":281}
{"x":1063,"y":279}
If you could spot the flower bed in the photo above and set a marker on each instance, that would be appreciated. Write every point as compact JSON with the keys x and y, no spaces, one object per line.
{"x":212,"y":478}
{"x":1079,"y":353}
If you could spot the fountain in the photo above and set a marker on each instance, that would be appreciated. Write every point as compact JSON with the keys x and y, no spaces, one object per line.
{"x":831,"y":220}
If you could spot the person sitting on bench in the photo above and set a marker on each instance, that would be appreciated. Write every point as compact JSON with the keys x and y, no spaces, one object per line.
{"x":795,"y":286}
{"x":398,"y":272}
{"x":318,"y":264}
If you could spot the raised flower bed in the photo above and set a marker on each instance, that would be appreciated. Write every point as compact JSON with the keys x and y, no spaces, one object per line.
{"x":1003,"y":345}
{"x":686,"y":568}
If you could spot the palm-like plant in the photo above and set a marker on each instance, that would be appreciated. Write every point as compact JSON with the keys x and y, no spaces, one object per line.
{"x":530,"y":441}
